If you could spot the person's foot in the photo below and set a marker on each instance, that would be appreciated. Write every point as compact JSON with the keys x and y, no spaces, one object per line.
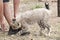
{"x":3,"y":29}
{"x":13,"y":31}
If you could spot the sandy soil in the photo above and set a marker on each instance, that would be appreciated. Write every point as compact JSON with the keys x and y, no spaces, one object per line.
{"x":34,"y":33}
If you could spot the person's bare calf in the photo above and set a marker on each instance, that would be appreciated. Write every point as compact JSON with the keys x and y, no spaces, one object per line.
{"x":2,"y":16}
{"x":9,"y":17}
{"x":16,"y":7}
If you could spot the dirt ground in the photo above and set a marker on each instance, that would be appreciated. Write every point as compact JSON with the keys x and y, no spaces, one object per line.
{"x":54,"y":33}
{"x":54,"y":22}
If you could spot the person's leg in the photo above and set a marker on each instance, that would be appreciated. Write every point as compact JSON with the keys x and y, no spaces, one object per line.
{"x":16,"y":7}
{"x":2,"y":16}
{"x":7,"y":14}
{"x":7,"y":11}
